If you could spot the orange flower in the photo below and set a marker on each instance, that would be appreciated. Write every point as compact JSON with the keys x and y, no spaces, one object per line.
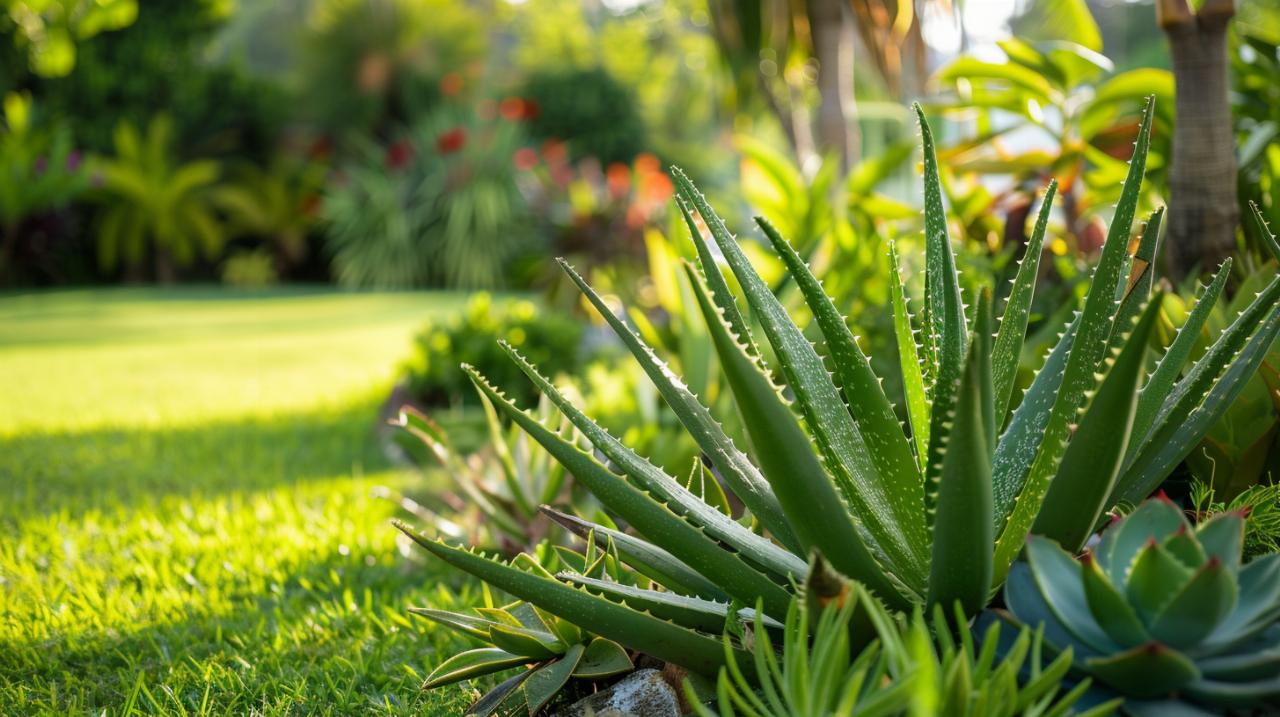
{"x":618,"y":177}
{"x":646,"y":163}
{"x":512,"y":109}
{"x":451,"y":84}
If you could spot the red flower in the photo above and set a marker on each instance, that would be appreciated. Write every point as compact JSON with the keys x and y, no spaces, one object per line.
{"x":525,"y":159}
{"x":554,"y":152}
{"x":451,"y":141}
{"x":399,"y":155}
{"x":451,"y":84}
{"x":647,"y":163}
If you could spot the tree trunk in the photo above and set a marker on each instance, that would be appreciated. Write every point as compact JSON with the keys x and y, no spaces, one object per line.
{"x":1203,"y":211}
{"x":831,"y":25}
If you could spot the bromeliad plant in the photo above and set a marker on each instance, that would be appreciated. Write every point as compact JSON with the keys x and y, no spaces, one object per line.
{"x":933,"y":516}
{"x":1161,"y":611}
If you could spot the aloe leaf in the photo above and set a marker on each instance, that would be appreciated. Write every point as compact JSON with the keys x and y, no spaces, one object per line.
{"x":493,"y":699}
{"x":1109,"y":606}
{"x":477,"y":627}
{"x":715,"y":280}
{"x":888,"y":446}
{"x":530,"y":643}
{"x":1017,"y":311}
{"x":788,"y":461}
{"x":945,"y":323}
{"x":910,"y":359}
{"x":1175,"y":357}
{"x":648,"y":559}
{"x":1193,"y":613}
{"x":1150,"y":670}
{"x":743,"y":477}
{"x":1181,"y":428}
{"x":700,"y":653}
{"x":1142,"y":275}
{"x":549,"y":679}
{"x":1264,"y":230}
{"x":663,"y":487}
{"x":693,"y":613}
{"x":703,"y":485}
{"x":602,"y":658}
{"x":472,"y":663}
{"x":962,"y":529}
{"x":895,"y":523}
{"x":1088,"y":348}
{"x":1184,"y":546}
{"x":1094,"y":456}
{"x":689,"y":543}
{"x":1057,"y":578}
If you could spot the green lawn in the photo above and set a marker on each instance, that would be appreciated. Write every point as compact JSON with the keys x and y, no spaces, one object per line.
{"x":187,"y":519}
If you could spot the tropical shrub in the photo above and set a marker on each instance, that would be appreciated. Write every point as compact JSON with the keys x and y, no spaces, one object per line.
{"x":822,"y":672}
{"x":1064,"y":118}
{"x":276,"y":205}
{"x":590,"y":111}
{"x":432,"y":372}
{"x":439,"y":206}
{"x":1161,"y":612}
{"x":155,"y":205}
{"x":936,"y":516}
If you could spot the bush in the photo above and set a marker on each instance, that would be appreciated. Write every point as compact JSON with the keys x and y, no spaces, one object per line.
{"x":594,"y":114}
{"x":437,"y":207}
{"x":434,"y":376}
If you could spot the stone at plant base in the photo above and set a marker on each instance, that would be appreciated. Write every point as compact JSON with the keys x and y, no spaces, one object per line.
{"x":643,"y":693}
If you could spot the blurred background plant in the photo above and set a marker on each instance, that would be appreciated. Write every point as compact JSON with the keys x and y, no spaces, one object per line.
{"x":156,"y":207}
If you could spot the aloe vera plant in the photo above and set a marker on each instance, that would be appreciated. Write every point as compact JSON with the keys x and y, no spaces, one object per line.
{"x":934,"y":514}
{"x":1161,"y":612}
{"x":551,"y":650}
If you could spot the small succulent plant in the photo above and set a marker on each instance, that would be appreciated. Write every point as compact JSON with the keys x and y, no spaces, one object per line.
{"x":863,"y":660}
{"x":552,"y":650}
{"x":1161,"y":612}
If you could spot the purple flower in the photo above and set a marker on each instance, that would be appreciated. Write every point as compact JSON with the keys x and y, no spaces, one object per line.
{"x":73,"y":160}
{"x":41,"y":164}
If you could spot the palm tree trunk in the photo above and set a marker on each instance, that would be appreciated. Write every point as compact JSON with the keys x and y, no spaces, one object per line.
{"x":831,"y":25}
{"x":1203,"y":210}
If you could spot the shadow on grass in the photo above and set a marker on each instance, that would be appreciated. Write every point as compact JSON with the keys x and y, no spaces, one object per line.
{"x":333,"y":638}
{"x":114,"y":469}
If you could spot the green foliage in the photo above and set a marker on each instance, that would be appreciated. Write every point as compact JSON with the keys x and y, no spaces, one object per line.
{"x":847,"y":481}
{"x":593,"y":113}
{"x":156,"y":206}
{"x":50,"y":29}
{"x":1260,"y":506}
{"x":501,"y":485}
{"x":1161,"y":611}
{"x":437,"y":207}
{"x":365,"y":65}
{"x":1069,"y":120}
{"x":433,"y":374}
{"x":1255,"y":75}
{"x":552,"y":650}
{"x":903,"y":669}
{"x":276,"y":205}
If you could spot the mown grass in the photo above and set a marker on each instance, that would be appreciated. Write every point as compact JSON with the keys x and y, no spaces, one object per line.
{"x":187,"y":514}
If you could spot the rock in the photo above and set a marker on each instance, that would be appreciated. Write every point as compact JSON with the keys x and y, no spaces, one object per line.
{"x":643,"y":693}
